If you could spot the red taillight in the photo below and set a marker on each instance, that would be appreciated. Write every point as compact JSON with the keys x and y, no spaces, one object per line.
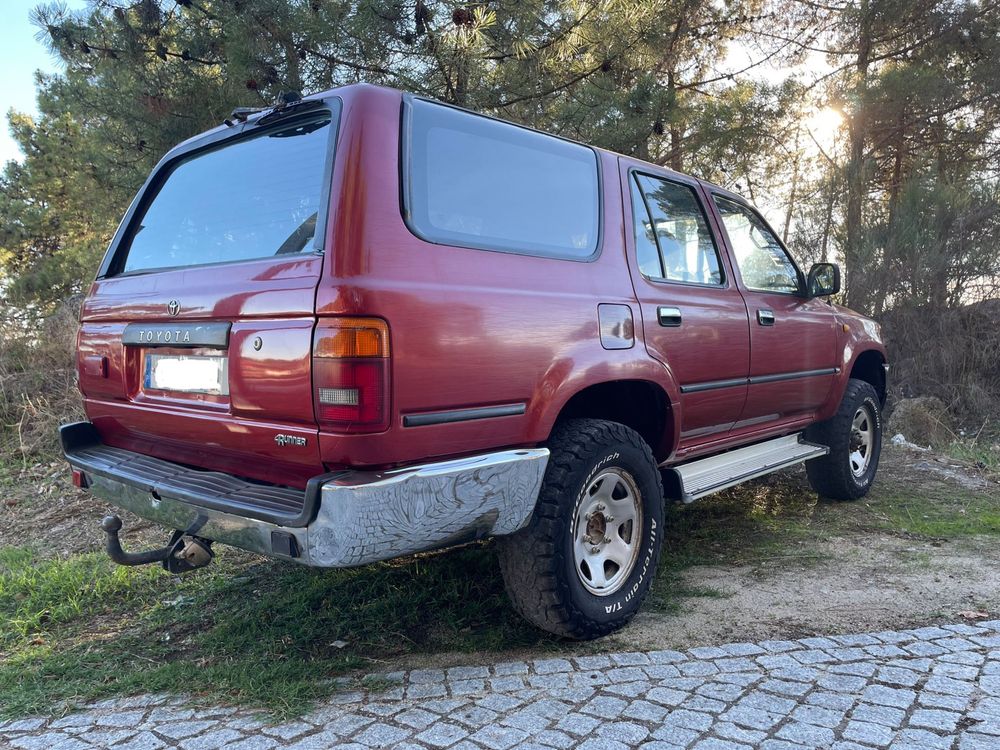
{"x":351,"y":374}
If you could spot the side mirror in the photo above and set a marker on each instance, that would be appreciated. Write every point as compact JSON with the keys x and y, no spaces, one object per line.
{"x":824,"y":280}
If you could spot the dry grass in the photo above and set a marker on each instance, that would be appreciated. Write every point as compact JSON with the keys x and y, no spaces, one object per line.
{"x":38,"y":390}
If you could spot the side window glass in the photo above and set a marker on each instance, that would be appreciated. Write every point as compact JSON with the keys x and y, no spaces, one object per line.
{"x":669,"y":222}
{"x":763,"y":262}
{"x":646,"y":250}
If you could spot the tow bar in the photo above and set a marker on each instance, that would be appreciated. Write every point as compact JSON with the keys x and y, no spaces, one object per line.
{"x":182,"y":553}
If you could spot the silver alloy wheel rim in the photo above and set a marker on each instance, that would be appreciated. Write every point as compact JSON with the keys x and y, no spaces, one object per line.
{"x":607,"y":531}
{"x":862,"y":440}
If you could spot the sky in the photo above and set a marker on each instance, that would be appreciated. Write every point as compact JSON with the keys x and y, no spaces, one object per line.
{"x":21,"y":54}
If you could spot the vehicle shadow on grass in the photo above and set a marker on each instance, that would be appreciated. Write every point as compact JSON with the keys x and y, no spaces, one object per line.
{"x":275,"y":635}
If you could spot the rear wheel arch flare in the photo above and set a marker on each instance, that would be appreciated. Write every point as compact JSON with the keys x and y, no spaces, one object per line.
{"x":642,"y":405}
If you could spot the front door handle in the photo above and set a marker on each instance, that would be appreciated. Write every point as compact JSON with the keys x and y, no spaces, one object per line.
{"x":765,"y":317}
{"x":670,"y":317}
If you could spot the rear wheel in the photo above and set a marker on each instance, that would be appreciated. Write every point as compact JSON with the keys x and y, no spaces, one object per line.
{"x":854,"y":436}
{"x":583,"y":565}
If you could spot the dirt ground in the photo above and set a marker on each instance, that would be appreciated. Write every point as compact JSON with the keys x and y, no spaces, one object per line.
{"x":844,"y":580}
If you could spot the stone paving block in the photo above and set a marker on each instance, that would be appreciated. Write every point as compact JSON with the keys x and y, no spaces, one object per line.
{"x":526,"y":720}
{"x":785,"y":687}
{"x":887,"y":696}
{"x":735,"y":664}
{"x":868,"y":733}
{"x":898,"y":677}
{"x":468,"y":687}
{"x":675,"y":735}
{"x":874,"y":714}
{"x":667,"y":696}
{"x":697,"y":668}
{"x":708,"y":652}
{"x":141,"y":741}
{"x":820,"y":643}
{"x":884,"y":651}
{"x":701,"y":703}
{"x":806,"y":734}
{"x":468,"y":673}
{"x":777,"y":661}
{"x":728,"y":730}
{"x":507,"y":668}
{"x":939,"y":700}
{"x":625,"y":674}
{"x":752,"y":718}
{"x":549,"y":666}
{"x":921,"y":738}
{"x":951,"y":686}
{"x":929,"y":718}
{"x":623,"y":731}
{"x":553,"y":738}
{"x":818,"y":716}
{"x":766,"y":702}
{"x":578,"y":724}
{"x":643,"y":710}
{"x":600,"y":743}
{"x":178,"y":730}
{"x":260,"y":742}
{"x":837,"y":701}
{"x":682,"y":717}
{"x":661,"y":671}
{"x":666,"y":657}
{"x":442,"y":734}
{"x":776,"y":647}
{"x":743,"y":649}
{"x":630,"y":659}
{"x":859,"y":639}
{"x":499,"y":738}
{"x":713,"y":743}
{"x":211,"y":740}
{"x":628,"y":689}
{"x":597,"y":661}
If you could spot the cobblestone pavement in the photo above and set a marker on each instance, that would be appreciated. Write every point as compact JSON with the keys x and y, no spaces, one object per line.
{"x":928,"y":688}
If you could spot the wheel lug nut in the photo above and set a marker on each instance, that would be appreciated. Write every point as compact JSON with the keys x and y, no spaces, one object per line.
{"x":610,"y":519}
{"x":607,"y":540}
{"x":594,"y":550}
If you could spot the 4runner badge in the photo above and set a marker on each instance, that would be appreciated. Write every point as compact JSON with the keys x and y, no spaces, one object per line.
{"x":284,"y":440}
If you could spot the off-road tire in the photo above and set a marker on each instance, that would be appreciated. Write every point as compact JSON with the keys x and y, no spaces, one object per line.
{"x":831,"y":476}
{"x":537,"y":562}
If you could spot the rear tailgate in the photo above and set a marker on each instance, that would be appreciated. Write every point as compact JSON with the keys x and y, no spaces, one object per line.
{"x":195,"y":342}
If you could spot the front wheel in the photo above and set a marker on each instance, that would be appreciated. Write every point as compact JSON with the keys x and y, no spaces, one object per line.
{"x":583,"y":565}
{"x":854,"y":435}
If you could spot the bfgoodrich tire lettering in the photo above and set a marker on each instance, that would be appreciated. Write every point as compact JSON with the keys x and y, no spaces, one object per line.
{"x":538,"y":563}
{"x":834,"y":476}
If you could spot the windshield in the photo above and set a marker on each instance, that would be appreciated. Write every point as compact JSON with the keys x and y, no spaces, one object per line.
{"x":253,"y":198}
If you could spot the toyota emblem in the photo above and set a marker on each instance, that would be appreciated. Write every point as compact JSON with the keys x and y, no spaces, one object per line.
{"x":173,"y":307}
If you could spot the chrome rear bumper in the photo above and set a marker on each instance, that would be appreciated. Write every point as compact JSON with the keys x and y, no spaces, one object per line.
{"x":348,"y":518}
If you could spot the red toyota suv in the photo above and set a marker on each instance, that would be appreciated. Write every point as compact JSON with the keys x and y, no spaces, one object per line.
{"x":363,"y":324}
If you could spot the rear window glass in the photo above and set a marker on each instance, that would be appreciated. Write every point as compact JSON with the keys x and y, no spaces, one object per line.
{"x":253,"y":198}
{"x":480,"y":183}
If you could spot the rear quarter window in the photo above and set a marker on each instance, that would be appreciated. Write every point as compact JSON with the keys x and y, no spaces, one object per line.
{"x":255,"y":197}
{"x":476,"y":182}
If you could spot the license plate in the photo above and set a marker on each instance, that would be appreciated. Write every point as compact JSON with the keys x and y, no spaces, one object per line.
{"x":187,"y":374}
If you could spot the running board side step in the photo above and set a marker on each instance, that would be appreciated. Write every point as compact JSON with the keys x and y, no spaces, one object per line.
{"x":725,"y":470}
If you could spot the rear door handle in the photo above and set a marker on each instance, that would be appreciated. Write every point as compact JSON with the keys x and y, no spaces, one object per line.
{"x":765,"y":317}
{"x":669,"y":317}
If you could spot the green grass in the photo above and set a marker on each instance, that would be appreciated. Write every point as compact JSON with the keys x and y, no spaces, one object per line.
{"x":984,"y":453}
{"x":260,"y":633}
{"x":276,"y":635}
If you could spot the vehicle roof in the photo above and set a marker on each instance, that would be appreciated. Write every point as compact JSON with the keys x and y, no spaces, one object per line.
{"x":351,"y":89}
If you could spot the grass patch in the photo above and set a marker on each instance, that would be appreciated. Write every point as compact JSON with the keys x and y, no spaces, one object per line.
{"x":984,"y":454}
{"x":260,"y":633}
{"x":939,"y":513}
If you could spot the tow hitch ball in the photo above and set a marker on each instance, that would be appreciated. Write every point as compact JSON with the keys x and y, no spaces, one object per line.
{"x":182,"y":553}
